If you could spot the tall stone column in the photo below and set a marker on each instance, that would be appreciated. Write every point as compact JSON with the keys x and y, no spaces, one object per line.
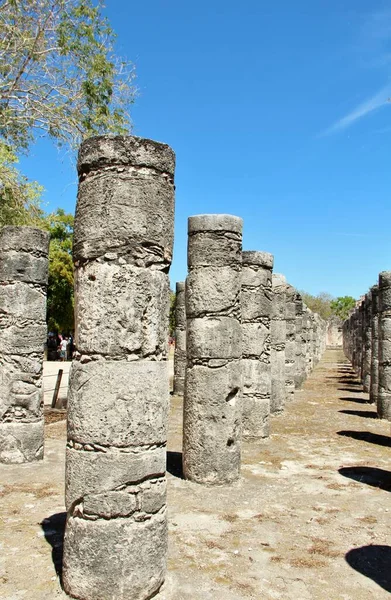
{"x":374,"y":385}
{"x":278,"y":340}
{"x":290,"y":344}
{"x":116,"y":534}
{"x":300,"y":342}
{"x":180,"y":340}
{"x":367,"y":342}
{"x":213,"y":385}
{"x":23,"y":286}
{"x":256,"y":311}
{"x":384,"y":390}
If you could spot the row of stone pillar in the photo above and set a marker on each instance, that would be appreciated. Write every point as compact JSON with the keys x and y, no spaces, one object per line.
{"x":244,"y":341}
{"x":367,"y":343}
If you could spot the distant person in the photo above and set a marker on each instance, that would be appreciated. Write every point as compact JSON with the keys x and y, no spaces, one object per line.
{"x":63,"y":349}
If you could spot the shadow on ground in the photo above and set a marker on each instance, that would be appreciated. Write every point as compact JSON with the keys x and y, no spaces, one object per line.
{"x":373,"y":562}
{"x":366,"y":414}
{"x":367,"y":436}
{"x":378,"y":478}
{"x":174,"y":464}
{"x":351,"y":399}
{"x":54,"y":528}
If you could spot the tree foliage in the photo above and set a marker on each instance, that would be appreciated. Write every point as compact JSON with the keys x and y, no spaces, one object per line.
{"x":320,"y":304}
{"x":342,"y":306}
{"x":60,"y":288}
{"x":59,"y":73}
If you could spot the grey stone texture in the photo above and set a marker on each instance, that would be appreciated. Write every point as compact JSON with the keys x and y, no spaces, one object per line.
{"x":367,"y":342}
{"x":180,"y":339}
{"x":115,"y":543}
{"x":257,"y":296}
{"x":290,"y":343}
{"x":278,"y":341}
{"x":384,"y":386}
{"x":23,"y":288}
{"x":300,"y":362}
{"x":213,"y":384}
{"x":374,"y":383}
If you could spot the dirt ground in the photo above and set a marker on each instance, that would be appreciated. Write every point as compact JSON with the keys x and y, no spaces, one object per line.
{"x":309,"y":518}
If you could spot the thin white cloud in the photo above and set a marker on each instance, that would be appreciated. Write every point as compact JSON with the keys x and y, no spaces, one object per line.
{"x":381,"y":98}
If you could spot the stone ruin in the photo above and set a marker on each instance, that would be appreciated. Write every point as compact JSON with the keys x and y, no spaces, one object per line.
{"x":367,"y":343}
{"x":245,"y":342}
{"x":23,"y":286}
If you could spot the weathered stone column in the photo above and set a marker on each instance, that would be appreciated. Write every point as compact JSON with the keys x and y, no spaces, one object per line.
{"x":290,"y":344}
{"x":116,"y":533}
{"x":213,"y":386}
{"x":374,"y":385}
{"x":23,"y":285}
{"x":384,"y":390}
{"x":300,"y":343}
{"x":278,"y":339}
{"x":367,"y":342}
{"x":180,"y":340}
{"x":256,"y":311}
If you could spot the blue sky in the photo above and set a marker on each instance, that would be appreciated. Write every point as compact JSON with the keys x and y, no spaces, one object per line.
{"x":278,"y":112}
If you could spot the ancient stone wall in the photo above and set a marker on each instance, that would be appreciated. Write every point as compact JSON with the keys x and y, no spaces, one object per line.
{"x":213,"y":385}
{"x":180,"y":340}
{"x":257,"y":298}
{"x":23,"y":286}
{"x":116,"y":534}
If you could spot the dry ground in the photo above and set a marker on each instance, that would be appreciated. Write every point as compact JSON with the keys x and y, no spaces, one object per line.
{"x":309,"y":518}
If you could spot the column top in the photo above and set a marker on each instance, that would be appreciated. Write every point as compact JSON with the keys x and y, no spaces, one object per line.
{"x":180,"y":286}
{"x":258,"y":258}
{"x":111,"y":150}
{"x":215,"y":222}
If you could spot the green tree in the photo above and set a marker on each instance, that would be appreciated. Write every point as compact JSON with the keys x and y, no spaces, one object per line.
{"x":320,"y":304}
{"x":60,"y":288}
{"x":59,"y":73}
{"x":342,"y":306}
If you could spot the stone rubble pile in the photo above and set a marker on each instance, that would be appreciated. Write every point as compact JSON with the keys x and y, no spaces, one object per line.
{"x":367,"y":343}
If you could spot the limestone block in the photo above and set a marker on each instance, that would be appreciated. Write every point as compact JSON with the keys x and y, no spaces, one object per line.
{"x":23,"y":338}
{"x":21,"y":442}
{"x":214,"y":290}
{"x":212,"y":423}
{"x":256,"y":413}
{"x":121,"y":310}
{"x":255,"y":339}
{"x":22,"y":301}
{"x":116,"y":559}
{"x":256,"y":377}
{"x":256,"y":303}
{"x":96,"y":472}
{"x":218,"y":337}
{"x":118,"y":403}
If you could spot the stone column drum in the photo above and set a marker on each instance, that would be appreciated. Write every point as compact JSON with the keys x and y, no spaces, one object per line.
{"x":384,"y":390}
{"x":23,"y":287}
{"x":374,"y":384}
{"x":213,"y":385}
{"x":290,"y":344}
{"x":256,"y":311}
{"x":180,"y":339}
{"x":116,"y":533}
{"x":300,"y":342}
{"x":278,"y":339}
{"x":367,"y":343}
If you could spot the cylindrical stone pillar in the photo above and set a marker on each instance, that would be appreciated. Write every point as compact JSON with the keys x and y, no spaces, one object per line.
{"x":180,"y":339}
{"x":256,"y":311}
{"x":116,"y":533}
{"x":23,"y":286}
{"x":278,"y":339}
{"x":384,"y":390}
{"x":290,"y":344}
{"x":213,"y":385}
{"x":374,"y":385}
{"x":367,"y":342}
{"x":300,"y":342}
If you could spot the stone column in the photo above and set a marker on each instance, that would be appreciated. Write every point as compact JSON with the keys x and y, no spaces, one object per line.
{"x":23,"y":331}
{"x":213,"y":385}
{"x":384,"y":389}
{"x":278,"y":339}
{"x":300,"y":343}
{"x":116,"y":534}
{"x":290,"y":344}
{"x":256,"y":311}
{"x":180,"y":340}
{"x":374,"y":385}
{"x":367,"y":342}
